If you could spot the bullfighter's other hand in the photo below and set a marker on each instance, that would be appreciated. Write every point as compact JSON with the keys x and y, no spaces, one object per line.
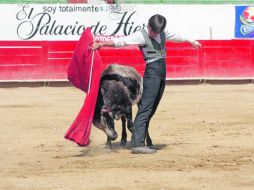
{"x":96,"y":45}
{"x":196,"y":44}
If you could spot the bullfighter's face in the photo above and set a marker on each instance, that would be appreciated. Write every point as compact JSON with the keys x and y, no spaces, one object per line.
{"x":151,"y":33}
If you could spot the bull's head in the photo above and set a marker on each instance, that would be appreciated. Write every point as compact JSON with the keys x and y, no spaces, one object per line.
{"x":107,"y":123}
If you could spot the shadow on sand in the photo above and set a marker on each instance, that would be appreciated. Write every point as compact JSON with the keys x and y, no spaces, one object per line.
{"x":116,"y":148}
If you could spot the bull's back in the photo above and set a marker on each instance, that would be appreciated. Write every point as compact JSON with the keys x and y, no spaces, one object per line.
{"x":128,"y":77}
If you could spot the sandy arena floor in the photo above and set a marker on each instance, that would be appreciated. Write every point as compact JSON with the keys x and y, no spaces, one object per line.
{"x":204,"y":133}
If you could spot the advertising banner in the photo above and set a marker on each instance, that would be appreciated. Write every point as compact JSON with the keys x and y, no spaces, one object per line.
{"x":244,"y":22}
{"x":64,"y":22}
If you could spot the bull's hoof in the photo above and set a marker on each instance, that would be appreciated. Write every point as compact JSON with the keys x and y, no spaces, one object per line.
{"x":108,"y":145}
{"x":123,"y":143}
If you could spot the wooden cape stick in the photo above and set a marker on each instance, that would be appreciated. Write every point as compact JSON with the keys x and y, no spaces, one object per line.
{"x":91,"y":73}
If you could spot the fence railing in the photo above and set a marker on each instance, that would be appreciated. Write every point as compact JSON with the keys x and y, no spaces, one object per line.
{"x":48,"y":60}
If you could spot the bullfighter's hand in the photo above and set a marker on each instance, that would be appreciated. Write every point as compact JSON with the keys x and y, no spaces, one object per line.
{"x":196,"y":44}
{"x":96,"y":45}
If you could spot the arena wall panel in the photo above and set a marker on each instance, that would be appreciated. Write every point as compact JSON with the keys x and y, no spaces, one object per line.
{"x":48,"y":60}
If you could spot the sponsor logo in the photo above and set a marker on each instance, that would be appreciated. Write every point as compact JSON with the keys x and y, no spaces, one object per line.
{"x":245,"y":21}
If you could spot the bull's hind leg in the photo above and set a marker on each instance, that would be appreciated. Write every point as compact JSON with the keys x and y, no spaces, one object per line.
{"x":124,"y":133}
{"x":129,"y":118}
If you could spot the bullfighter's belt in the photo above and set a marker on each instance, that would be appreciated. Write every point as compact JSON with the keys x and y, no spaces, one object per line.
{"x":154,"y":59}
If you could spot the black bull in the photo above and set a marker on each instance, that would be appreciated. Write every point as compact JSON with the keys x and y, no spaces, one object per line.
{"x":120,"y":88}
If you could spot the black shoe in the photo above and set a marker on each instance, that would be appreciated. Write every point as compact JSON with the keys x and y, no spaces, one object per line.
{"x":143,"y":150}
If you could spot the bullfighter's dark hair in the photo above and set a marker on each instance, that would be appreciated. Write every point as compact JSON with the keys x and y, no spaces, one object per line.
{"x":157,"y":23}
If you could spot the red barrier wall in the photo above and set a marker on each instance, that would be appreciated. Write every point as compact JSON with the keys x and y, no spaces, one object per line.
{"x":48,"y":60}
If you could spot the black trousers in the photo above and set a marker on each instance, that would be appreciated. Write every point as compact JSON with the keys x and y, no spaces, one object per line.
{"x":153,"y":88}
